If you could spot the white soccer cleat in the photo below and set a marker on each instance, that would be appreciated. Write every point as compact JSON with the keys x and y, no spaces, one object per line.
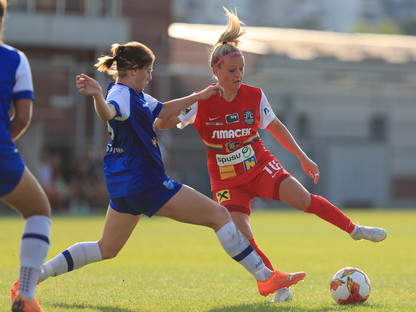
{"x":373,"y":234}
{"x":282,"y":294}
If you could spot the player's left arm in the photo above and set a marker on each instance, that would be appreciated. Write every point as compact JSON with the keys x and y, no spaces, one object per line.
{"x":21,"y":118}
{"x":285,"y":138}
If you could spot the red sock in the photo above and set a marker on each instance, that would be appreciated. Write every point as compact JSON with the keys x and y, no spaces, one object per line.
{"x":263,"y":257}
{"x":322,"y":208}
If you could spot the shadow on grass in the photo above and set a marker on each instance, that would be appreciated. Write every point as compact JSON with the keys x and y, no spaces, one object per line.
{"x":80,"y":307}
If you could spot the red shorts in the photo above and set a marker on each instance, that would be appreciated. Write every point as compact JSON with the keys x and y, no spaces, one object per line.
{"x":265,"y":185}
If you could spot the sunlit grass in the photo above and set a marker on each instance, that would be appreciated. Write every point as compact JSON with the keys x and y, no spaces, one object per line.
{"x":169,"y":266}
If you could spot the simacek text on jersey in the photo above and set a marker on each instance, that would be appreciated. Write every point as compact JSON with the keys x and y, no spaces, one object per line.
{"x":229,"y":134}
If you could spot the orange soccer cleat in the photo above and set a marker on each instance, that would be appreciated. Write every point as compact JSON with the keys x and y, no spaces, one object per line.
{"x":21,"y":304}
{"x":279,"y":280}
{"x":15,"y":289}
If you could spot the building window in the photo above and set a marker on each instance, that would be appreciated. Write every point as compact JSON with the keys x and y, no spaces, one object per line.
{"x":378,"y":128}
{"x":73,"y":7}
{"x":76,"y":7}
{"x":47,"y":6}
{"x":18,"y":5}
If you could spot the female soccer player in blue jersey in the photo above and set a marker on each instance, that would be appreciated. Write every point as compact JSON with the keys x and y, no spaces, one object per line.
{"x":18,"y":187}
{"x":136,"y":178}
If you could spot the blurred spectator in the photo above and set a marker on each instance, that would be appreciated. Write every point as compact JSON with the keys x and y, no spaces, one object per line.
{"x":86,"y":185}
{"x":77,"y":186}
{"x":50,"y":178}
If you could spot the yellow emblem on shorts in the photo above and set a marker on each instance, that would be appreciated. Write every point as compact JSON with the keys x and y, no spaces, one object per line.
{"x":223,"y":196}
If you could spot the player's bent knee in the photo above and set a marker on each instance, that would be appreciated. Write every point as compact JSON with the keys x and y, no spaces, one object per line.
{"x":220,"y":218}
{"x":108,"y":252}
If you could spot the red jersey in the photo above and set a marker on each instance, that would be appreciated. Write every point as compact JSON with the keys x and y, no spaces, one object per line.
{"x":229,"y":130}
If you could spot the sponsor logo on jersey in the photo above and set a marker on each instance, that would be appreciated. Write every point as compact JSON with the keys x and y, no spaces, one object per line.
{"x":250,"y":163}
{"x":249,"y":117}
{"x":267,"y":110}
{"x":230,"y":134}
{"x":236,"y":157}
{"x":232,"y":118}
{"x":114,"y":150}
{"x":231,"y":146}
{"x":213,"y":118}
{"x":222,"y":196}
{"x":227,"y":172}
{"x":186,"y":111}
{"x":154,"y":141}
{"x":214,"y":123}
{"x":169,"y":184}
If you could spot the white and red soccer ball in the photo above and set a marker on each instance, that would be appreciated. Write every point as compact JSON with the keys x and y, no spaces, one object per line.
{"x":350,"y":286}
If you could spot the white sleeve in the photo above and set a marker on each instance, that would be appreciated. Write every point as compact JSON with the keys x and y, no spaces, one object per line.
{"x":187,"y":116}
{"x":120,"y":98}
{"x":23,"y":75}
{"x":266,"y":113}
{"x":151,"y":101}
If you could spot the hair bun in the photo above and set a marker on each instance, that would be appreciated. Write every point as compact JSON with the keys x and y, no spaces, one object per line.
{"x":120,"y":50}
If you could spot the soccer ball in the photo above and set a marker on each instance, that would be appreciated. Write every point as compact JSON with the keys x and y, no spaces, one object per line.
{"x":350,"y":285}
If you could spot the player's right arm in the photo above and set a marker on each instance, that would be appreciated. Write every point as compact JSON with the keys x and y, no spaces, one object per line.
{"x":88,"y":86}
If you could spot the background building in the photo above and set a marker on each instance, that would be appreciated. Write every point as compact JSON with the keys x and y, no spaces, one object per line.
{"x":349,"y":99}
{"x":63,"y":38}
{"x":385,"y":16}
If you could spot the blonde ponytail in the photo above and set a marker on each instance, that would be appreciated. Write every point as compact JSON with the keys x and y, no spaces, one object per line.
{"x":229,"y":41}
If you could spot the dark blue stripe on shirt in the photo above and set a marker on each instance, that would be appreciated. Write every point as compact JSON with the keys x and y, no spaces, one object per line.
{"x":243,"y":254}
{"x":69,"y":260}
{"x":36,"y":236}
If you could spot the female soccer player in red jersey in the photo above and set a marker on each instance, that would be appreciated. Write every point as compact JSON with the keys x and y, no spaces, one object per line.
{"x":239,"y":166}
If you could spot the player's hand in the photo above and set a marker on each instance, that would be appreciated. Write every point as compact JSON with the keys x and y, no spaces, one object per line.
{"x":87,"y":85}
{"x":311,"y":169}
{"x":211,"y":90}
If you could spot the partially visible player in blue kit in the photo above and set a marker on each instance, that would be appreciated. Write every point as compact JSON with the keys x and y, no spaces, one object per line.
{"x":135,"y":175}
{"x":18,"y":187}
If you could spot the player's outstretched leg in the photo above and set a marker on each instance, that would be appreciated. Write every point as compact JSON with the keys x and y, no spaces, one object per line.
{"x":322,"y":208}
{"x":239,"y":248}
{"x":73,"y":258}
{"x":373,"y":234}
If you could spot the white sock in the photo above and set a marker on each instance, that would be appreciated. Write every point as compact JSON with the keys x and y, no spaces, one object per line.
{"x":33,"y":250}
{"x":240,"y":249}
{"x":355,"y":229}
{"x":73,"y":258}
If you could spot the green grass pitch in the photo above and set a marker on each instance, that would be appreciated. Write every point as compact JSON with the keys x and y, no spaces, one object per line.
{"x":169,"y":266}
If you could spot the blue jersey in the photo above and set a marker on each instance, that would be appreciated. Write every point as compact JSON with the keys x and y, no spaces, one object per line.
{"x":15,"y":84}
{"x":133,"y":161}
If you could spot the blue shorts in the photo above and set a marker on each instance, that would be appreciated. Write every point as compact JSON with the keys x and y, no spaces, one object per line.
{"x":147,"y":202}
{"x":11,"y":171}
